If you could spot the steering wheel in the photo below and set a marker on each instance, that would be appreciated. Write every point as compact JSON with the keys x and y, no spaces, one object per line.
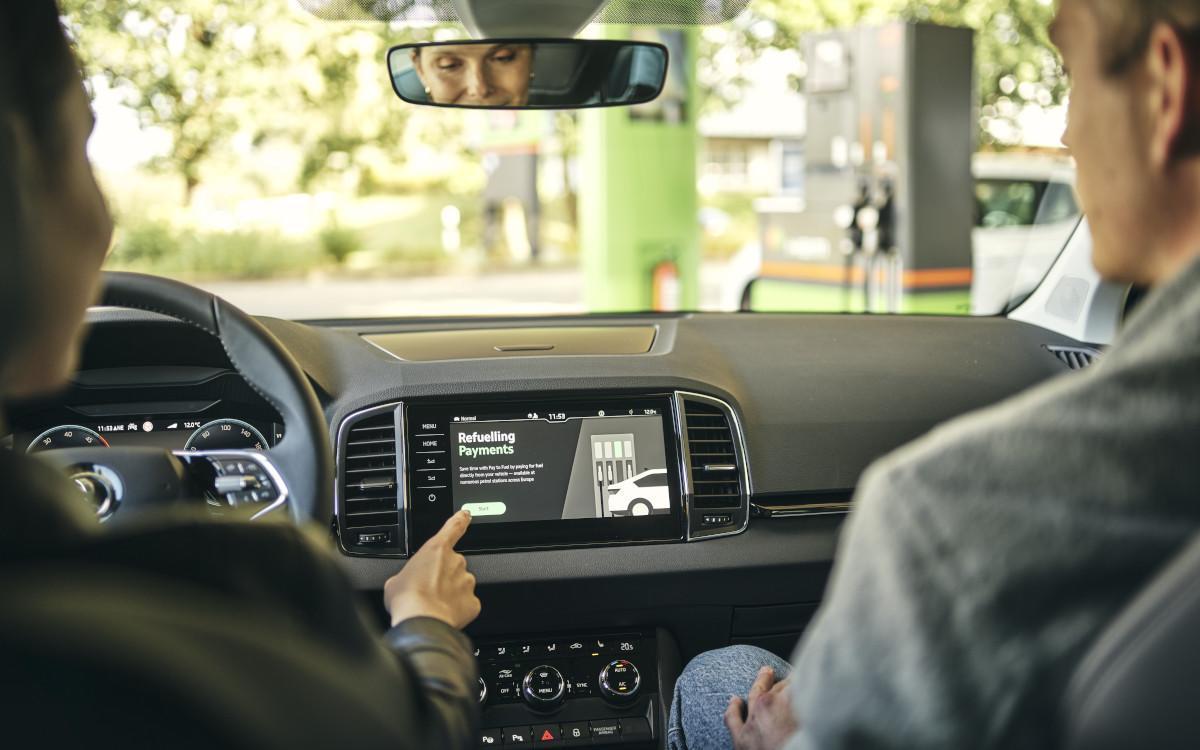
{"x":297,"y":475}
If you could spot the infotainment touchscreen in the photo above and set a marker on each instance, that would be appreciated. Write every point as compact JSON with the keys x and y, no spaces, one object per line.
{"x":545,"y":473}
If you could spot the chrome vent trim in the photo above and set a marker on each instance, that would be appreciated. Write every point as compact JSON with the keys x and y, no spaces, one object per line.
{"x":812,"y":503}
{"x":1075,"y":357}
{"x":370,"y":497}
{"x":713,"y":464}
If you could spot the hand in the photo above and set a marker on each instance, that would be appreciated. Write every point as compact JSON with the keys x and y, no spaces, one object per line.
{"x":764,"y":720}
{"x":435,"y":582}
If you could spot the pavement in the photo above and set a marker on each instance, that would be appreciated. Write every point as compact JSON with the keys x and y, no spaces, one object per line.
{"x":524,"y":292}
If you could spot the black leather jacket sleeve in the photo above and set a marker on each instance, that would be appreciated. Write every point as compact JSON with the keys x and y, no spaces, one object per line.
{"x":207,"y":633}
{"x":442,"y":659}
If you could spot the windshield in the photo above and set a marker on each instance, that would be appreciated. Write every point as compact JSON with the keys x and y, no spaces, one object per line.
{"x":258,"y":151}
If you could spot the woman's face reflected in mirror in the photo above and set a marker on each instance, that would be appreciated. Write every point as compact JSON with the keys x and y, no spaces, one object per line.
{"x":481,"y":75}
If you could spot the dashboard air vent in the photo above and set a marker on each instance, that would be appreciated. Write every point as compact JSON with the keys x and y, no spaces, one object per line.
{"x":368,"y":482}
{"x":1075,"y":357}
{"x":712,"y":456}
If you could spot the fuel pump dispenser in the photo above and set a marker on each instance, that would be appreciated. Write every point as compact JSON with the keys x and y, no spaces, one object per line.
{"x":846,"y":218}
{"x":887,"y":209}
{"x":888,"y":271}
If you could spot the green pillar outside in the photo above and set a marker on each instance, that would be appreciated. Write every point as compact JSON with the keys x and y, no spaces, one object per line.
{"x":638,"y":205}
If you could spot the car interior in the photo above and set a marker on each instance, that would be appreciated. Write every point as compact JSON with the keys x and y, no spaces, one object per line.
{"x":761,"y":423}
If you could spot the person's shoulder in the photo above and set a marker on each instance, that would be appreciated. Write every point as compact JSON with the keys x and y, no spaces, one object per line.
{"x":1022,"y":447}
{"x":991,"y":428}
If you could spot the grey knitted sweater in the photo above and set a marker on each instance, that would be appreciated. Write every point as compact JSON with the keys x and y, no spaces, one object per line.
{"x":981,"y":560}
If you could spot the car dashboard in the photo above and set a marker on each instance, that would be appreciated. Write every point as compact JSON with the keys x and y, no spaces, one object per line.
{"x":644,"y":487}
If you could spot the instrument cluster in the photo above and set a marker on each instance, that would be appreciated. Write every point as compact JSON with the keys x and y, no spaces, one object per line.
{"x":172,"y":432}
{"x":176,"y":409}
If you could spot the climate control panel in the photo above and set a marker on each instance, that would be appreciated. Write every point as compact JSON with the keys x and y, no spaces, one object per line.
{"x":596,"y":690}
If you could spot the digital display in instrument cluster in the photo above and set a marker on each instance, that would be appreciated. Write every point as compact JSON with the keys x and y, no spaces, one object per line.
{"x":167,"y":432}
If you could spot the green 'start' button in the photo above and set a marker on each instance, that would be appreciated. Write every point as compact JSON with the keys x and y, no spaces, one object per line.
{"x":485,"y":509}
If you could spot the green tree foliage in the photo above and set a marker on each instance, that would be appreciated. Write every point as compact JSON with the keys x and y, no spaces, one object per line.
{"x":209,"y":73}
{"x":187,"y":67}
{"x":205,"y":71}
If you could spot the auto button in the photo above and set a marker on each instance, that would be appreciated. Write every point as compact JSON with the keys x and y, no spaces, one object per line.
{"x":619,"y":681}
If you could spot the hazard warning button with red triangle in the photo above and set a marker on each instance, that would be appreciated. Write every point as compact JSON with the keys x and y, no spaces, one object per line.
{"x":547,"y":734}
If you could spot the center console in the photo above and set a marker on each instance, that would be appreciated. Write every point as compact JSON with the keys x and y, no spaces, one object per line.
{"x":541,"y":472}
{"x":583,"y":690}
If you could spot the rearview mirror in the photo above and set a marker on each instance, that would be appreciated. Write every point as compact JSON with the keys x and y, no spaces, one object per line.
{"x":528,"y":73}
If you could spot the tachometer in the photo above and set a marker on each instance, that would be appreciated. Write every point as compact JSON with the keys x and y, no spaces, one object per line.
{"x":66,"y":436}
{"x":226,"y":434}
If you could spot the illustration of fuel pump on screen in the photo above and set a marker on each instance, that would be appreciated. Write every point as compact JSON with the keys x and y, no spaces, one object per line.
{"x":622,"y":490}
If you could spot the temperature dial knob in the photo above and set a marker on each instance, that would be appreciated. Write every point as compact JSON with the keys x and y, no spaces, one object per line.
{"x":619,"y":681}
{"x":543,"y":688}
{"x":483,"y":692}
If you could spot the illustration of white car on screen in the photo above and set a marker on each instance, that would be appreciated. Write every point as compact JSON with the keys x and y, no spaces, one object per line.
{"x":640,"y":495}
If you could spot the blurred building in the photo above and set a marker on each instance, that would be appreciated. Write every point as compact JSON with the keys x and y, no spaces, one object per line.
{"x":756,"y":145}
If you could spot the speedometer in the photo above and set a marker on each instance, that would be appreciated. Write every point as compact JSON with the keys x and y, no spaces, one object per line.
{"x":226,"y":434}
{"x":66,"y":436}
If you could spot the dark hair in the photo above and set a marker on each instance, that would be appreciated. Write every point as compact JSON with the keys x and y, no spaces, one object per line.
{"x":36,"y":66}
{"x":36,"y":63}
{"x":1125,"y":27}
{"x":1125,"y":31}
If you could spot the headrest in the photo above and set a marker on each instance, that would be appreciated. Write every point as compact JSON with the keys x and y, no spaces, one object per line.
{"x":1139,"y":684}
{"x":636,"y":72}
{"x":408,"y":83}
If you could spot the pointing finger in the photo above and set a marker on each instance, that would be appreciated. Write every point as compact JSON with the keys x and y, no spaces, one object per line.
{"x":454,"y":528}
